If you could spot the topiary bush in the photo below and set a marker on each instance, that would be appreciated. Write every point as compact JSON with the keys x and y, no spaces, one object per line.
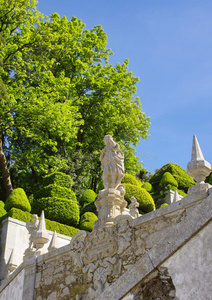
{"x":2,"y":210}
{"x":24,"y":216}
{"x":128,"y":178}
{"x":147,"y":186}
{"x":59,"y":179}
{"x":18,"y":199}
{"x":209,"y":178}
{"x":65,"y":211}
{"x":167,"y":178}
{"x":88,"y":207}
{"x":87,"y":197}
{"x":57,"y":200}
{"x":87,"y":221}
{"x":53,"y":190}
{"x":164,"y":204}
{"x":145,"y":200}
{"x":183,"y":179}
{"x":100,"y":186}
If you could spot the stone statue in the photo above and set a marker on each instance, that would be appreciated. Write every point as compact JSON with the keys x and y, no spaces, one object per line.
{"x":133,"y":207}
{"x":112,"y":163}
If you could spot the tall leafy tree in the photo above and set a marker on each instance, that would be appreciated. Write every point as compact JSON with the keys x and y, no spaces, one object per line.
{"x":60,"y":95}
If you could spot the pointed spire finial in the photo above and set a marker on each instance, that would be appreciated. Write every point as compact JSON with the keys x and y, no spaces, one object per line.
{"x":196,"y":150}
{"x":41,"y":236}
{"x":198,"y":167}
{"x":54,"y":242}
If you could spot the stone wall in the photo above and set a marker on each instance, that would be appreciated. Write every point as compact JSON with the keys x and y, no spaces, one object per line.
{"x":14,"y":235}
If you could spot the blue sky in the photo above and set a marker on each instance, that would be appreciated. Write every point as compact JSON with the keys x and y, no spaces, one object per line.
{"x":169,"y":47}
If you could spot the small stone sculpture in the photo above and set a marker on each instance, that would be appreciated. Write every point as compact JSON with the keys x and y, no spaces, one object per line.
{"x":133,"y":207}
{"x":112,"y":163}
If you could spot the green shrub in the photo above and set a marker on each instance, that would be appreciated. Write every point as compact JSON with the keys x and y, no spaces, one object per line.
{"x":100,"y":186}
{"x":24,"y":216}
{"x":128,"y":178}
{"x":18,"y":199}
{"x":53,"y":190}
{"x":58,"y":209}
{"x":87,"y":221}
{"x":145,"y":200}
{"x":147,"y":186}
{"x":19,"y":214}
{"x":168,"y":179}
{"x":89,"y":207}
{"x":87,"y":197}
{"x":183,"y":179}
{"x":2,"y":210}
{"x":164,"y":204}
{"x":59,"y":179}
{"x":209,"y":178}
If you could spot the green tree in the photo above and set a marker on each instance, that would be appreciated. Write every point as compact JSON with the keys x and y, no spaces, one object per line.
{"x":60,"y":96}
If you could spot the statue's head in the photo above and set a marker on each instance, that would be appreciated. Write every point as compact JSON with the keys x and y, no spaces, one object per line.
{"x":108,"y":139}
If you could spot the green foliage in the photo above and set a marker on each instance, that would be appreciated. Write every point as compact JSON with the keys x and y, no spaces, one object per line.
{"x":87,"y":197}
{"x":53,"y":190}
{"x":209,"y":178}
{"x":18,"y":199}
{"x":147,"y":186}
{"x":2,"y":210}
{"x":58,"y":93}
{"x":59,"y":179}
{"x":58,"y":209}
{"x":128,"y":178}
{"x":183,"y":179}
{"x":24,"y":216}
{"x":87,"y":221}
{"x":146,"y":202}
{"x":89,"y":207}
{"x":19,"y":214}
{"x":100,"y":186}
{"x":59,"y":203}
{"x":168,"y":179}
{"x":164,"y":204}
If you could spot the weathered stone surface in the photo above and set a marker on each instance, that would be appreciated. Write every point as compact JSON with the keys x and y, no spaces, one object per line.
{"x":157,"y":286}
{"x":190,"y":267}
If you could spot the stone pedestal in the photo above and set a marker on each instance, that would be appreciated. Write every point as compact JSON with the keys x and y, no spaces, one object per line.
{"x":110,"y":203}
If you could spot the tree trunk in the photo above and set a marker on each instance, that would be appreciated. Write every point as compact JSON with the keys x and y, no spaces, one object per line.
{"x":5,"y":172}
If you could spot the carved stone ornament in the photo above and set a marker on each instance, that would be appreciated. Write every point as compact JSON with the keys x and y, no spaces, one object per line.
{"x":77,"y":246}
{"x":124,"y":229}
{"x":100,"y":243}
{"x":134,"y":207}
{"x":31,"y":227}
{"x":98,"y":273}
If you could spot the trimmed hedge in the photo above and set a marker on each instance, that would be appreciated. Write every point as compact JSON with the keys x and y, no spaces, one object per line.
{"x":24,"y":216}
{"x":53,"y":190}
{"x":59,"y":179}
{"x":183,"y":179}
{"x":164,"y":204}
{"x":100,"y":186}
{"x":57,"y":200}
{"x":18,"y":199}
{"x":89,"y":207}
{"x":87,"y":221}
{"x":128,"y":178}
{"x":168,"y":179}
{"x":147,"y":186}
{"x":145,"y":200}
{"x":209,"y":178}
{"x":58,"y":209}
{"x":87,"y":197}
{"x":2,"y":210}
